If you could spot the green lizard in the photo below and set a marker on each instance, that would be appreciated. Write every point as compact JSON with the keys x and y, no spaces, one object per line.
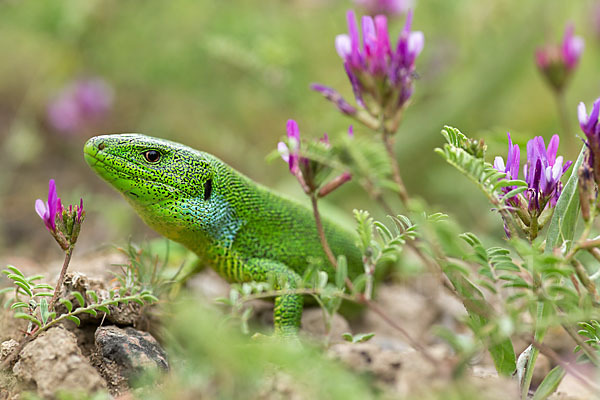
{"x":240,"y":228}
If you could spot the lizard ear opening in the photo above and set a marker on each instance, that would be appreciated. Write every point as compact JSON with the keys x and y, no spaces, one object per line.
{"x":207,"y":189}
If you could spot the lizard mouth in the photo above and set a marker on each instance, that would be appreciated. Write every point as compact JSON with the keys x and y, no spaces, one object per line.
{"x":100,"y":162}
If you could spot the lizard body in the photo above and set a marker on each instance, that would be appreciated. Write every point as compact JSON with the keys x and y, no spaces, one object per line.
{"x":242,"y":229}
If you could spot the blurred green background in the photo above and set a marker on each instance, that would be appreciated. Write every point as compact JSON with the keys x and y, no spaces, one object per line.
{"x":224,"y":76}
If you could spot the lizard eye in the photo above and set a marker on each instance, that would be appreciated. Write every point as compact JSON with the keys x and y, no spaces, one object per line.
{"x":152,"y":156}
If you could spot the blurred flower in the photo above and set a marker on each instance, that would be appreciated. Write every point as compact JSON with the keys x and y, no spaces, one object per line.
{"x":558,"y":61}
{"x":309,"y":171}
{"x":388,"y":7}
{"x":381,"y":76}
{"x":336,"y":98}
{"x":64,"y":224}
{"x":80,"y":104}
{"x":589,"y":125}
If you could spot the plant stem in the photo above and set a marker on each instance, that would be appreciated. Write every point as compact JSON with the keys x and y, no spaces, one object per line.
{"x":563,"y":113}
{"x":584,"y":278}
{"x":321,"y":231}
{"x":589,"y":352}
{"x":547,"y":351}
{"x":388,"y":141}
{"x":540,"y":332}
{"x":61,"y":278}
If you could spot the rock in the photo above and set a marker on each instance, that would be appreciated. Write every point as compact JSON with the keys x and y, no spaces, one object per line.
{"x":406,"y":373}
{"x":54,"y":362}
{"x":7,"y":347}
{"x":368,"y":357}
{"x":124,"y":353}
{"x":313,"y":325}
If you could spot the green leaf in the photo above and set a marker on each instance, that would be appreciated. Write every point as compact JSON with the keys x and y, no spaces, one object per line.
{"x":44,"y":311}
{"x":564,"y":219}
{"x":362,"y":337}
{"x":43,"y":294}
{"x":6,"y":290}
{"x":93,"y":295}
{"x":28,"y":318}
{"x":341,"y":272}
{"x":79,"y":297}
{"x":549,"y":384}
{"x":42,"y":286}
{"x":149,"y":298}
{"x":74,"y":319}
{"x":104,"y":309}
{"x":67,"y":304}
{"x":19,"y":304}
{"x":25,"y":287}
{"x":19,"y":278}
{"x":91,"y":312}
{"x":347,"y":337}
{"x":37,"y":278}
{"x":139,"y":301}
{"x":503,"y":355}
{"x":14,"y":270}
{"x":322,"y":282}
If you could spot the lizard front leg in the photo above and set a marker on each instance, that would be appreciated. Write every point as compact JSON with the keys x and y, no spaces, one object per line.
{"x":287,"y":312}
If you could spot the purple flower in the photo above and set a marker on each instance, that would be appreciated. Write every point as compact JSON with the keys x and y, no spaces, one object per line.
{"x":63,"y":223}
{"x":558,"y":61}
{"x":381,"y":75}
{"x":542,"y":172}
{"x":80,"y":104}
{"x":589,"y":125}
{"x":388,"y":7}
{"x":48,"y":211}
{"x":571,"y":47}
{"x":336,"y":98}
{"x":309,"y":172}
{"x":291,"y":154}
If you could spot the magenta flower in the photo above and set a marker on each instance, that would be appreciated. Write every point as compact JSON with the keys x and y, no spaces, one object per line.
{"x":513,"y":161}
{"x":558,"y":61}
{"x":48,"y":211}
{"x":589,"y":125}
{"x":542,"y":173}
{"x":387,"y":7}
{"x":63,"y":223}
{"x":381,"y":75}
{"x":310,"y":173}
{"x":80,"y":104}
{"x":336,"y":98}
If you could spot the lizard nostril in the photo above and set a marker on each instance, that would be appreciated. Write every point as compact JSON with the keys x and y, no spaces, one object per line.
{"x":101,"y":146}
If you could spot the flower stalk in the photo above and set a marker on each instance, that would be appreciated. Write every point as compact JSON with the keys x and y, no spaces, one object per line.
{"x":64,"y":224}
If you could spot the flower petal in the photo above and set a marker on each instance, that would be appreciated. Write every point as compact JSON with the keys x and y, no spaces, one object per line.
{"x":292,"y":130}
{"x":40,"y":208}
{"x":284,"y":152}
{"x":343,"y":46}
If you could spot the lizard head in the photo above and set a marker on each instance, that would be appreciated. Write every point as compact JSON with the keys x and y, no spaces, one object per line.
{"x":165,"y":182}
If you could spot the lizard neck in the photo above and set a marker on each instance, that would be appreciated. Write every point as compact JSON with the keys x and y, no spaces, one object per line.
{"x":199,"y":224}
